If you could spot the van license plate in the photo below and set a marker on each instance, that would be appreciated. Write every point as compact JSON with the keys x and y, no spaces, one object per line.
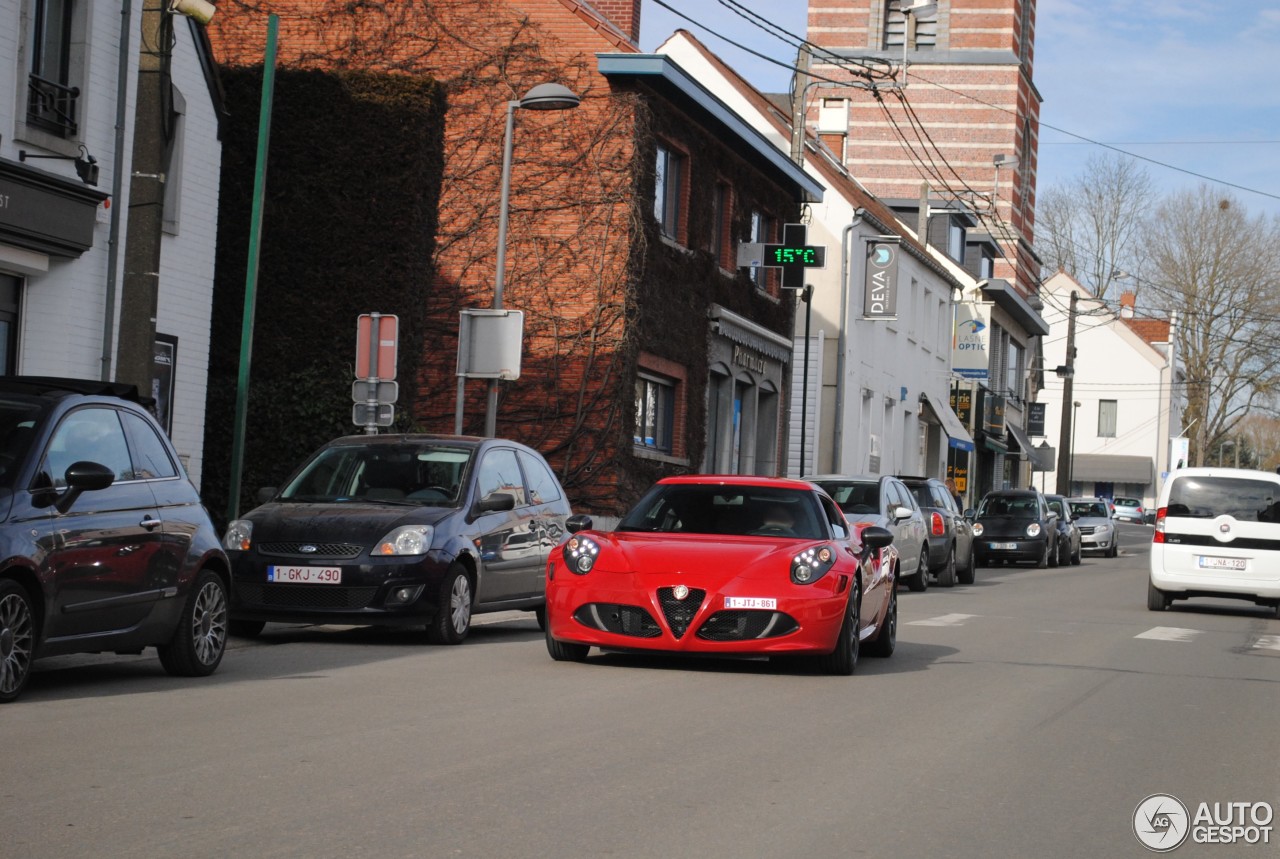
{"x":1208,"y":563}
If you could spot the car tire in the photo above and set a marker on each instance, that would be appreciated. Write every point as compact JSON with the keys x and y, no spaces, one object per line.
{"x":452,"y":620}
{"x":566,"y":651}
{"x":200,"y":640}
{"x":247,"y":628}
{"x":1157,"y":600}
{"x":947,"y":575}
{"x":887,"y":640}
{"x":1076,"y":555}
{"x":540,"y":615}
{"x":919,"y":583}
{"x":1055,"y":554}
{"x":17,"y":639}
{"x":1044,"y":559}
{"x":844,"y":659}
{"x":1114,"y":550}
{"x":966,"y":573}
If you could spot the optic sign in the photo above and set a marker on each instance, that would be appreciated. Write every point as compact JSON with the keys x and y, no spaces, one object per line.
{"x":881,"y":299}
{"x":969,"y":356}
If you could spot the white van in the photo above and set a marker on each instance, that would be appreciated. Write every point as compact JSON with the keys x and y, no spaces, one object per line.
{"x":1217,"y":534}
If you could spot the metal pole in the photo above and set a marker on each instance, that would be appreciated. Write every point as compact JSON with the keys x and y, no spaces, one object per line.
{"x":1066,"y":438}
{"x":491,"y":407}
{"x":251,"y":270}
{"x":806,"y":296}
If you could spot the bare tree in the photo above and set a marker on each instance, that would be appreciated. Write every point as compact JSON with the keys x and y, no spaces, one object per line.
{"x":1089,"y":227}
{"x":1220,"y":270}
{"x":1261,"y":434}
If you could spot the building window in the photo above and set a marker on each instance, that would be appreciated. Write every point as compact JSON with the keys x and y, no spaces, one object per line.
{"x":667,"y":190}
{"x":1107,"y":418}
{"x":917,"y":31}
{"x":761,"y":231}
{"x":720,"y":208}
{"x":955,"y":241}
{"x":1013,"y":366}
{"x":51,"y":95}
{"x":10,"y":288}
{"x":655,"y":412}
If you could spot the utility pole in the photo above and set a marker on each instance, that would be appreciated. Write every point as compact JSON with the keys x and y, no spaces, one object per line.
{"x":1065,"y":438}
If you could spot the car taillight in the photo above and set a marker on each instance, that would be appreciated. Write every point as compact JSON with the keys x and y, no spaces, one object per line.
{"x":1158,"y":536}
{"x":938,"y":524}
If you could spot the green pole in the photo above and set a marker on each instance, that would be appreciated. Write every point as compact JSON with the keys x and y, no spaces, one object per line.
{"x":251,"y":272}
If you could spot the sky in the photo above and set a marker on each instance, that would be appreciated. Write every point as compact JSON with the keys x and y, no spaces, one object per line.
{"x":1191,"y":85}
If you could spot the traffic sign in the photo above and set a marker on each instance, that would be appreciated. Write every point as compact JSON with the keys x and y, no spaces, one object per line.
{"x":380,"y":415}
{"x":363,"y":390}
{"x":377,"y":337}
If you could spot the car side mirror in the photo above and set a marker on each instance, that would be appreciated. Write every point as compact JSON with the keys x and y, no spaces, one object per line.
{"x":83,"y":476}
{"x":496,"y":501}
{"x":876,"y":538}
{"x":265,"y":494}
{"x":901,"y":512}
{"x":578,"y":522}
{"x":970,"y":513}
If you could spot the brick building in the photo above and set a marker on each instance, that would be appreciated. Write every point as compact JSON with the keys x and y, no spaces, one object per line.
{"x":957,"y":127}
{"x":646,"y":352}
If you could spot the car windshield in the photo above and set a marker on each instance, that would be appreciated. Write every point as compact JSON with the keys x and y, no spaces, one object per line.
{"x":1210,"y":497}
{"x":17,"y":429}
{"x":1128,"y":502}
{"x":728,"y":510}
{"x":1089,"y":508}
{"x":1006,"y":505}
{"x":412,"y":473}
{"x":855,"y":499}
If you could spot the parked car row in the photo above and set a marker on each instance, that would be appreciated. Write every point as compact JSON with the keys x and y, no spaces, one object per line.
{"x":109,"y":549}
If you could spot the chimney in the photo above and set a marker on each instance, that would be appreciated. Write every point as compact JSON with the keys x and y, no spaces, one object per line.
{"x":625,"y":15}
{"x":1127,"y":302}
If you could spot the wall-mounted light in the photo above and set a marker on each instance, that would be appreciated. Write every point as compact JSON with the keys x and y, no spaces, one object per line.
{"x":86,"y":164}
{"x":198,"y":10}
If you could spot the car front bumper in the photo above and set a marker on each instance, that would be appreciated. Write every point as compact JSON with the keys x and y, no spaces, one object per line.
{"x":1009,"y":549}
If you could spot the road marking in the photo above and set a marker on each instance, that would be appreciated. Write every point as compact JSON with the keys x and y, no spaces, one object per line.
{"x":943,"y":620}
{"x":1169,"y":633}
{"x":1267,"y":642}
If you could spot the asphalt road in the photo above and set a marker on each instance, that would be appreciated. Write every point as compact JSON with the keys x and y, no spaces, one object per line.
{"x":1026,"y":715}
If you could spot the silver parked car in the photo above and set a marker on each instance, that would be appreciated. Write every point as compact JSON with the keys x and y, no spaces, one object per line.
{"x":886,"y":501}
{"x":1098,"y":531}
{"x":1128,"y":509}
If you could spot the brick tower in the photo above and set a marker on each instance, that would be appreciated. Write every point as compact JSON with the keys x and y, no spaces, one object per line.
{"x":964,"y":117}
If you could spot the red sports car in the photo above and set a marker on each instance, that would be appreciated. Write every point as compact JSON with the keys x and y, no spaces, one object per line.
{"x":726,"y":565}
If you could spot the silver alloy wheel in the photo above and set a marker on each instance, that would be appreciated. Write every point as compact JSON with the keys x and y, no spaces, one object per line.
{"x":16,"y":642}
{"x":460,"y":605}
{"x":209,"y":623}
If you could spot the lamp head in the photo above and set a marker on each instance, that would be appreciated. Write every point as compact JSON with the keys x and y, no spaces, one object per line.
{"x":199,"y":10}
{"x":550,"y":97}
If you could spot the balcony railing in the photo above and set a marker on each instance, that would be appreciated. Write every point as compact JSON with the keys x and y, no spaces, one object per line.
{"x":52,"y":106}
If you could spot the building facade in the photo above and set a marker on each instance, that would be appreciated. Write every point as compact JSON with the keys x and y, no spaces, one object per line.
{"x":646,"y":351}
{"x":69,"y":109}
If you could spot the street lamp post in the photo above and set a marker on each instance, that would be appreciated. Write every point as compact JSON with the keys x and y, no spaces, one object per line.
{"x":541,"y":97}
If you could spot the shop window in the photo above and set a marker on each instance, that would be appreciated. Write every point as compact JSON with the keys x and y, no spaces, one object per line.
{"x":10,"y":288}
{"x":761,"y":231}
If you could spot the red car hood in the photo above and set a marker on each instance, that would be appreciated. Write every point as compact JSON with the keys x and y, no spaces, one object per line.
{"x":696,"y":558}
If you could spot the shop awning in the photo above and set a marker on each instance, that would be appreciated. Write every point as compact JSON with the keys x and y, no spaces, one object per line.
{"x":1029,"y":451}
{"x":1112,"y":468}
{"x":959,"y":436}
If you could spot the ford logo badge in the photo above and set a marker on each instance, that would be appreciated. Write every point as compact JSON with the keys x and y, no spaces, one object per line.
{"x":308,"y":549}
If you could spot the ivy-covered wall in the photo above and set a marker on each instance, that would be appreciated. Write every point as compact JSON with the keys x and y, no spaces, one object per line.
{"x":349,"y":227}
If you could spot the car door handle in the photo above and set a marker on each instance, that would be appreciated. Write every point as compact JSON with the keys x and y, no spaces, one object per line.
{"x":150,"y":522}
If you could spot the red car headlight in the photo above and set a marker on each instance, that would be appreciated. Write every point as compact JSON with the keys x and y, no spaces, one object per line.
{"x":580,"y":554}
{"x":812,"y":564}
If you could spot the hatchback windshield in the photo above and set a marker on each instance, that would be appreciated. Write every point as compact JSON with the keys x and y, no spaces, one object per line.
{"x":410,"y":473}
{"x":735,"y":510}
{"x":1094,"y":509}
{"x":1210,"y":497}
{"x":1009,"y":505}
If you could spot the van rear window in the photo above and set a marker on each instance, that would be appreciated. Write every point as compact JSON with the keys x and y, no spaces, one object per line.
{"x":1210,"y":497}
